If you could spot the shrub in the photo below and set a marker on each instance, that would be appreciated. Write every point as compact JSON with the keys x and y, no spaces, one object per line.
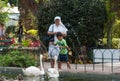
{"x":17,"y":59}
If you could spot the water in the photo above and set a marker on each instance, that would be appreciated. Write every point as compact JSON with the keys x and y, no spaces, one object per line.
{"x":70,"y":77}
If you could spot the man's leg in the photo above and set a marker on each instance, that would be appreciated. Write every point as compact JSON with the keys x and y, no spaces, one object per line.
{"x":52,"y":63}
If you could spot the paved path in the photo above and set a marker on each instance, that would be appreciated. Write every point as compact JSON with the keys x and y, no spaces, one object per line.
{"x":106,"y":68}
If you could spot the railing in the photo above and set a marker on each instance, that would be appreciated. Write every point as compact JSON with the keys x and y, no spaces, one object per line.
{"x":102,"y":60}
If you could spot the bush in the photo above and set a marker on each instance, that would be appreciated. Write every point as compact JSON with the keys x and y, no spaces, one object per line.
{"x":17,"y":59}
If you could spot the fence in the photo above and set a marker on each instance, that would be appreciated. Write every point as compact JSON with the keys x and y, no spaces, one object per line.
{"x":103,"y":60}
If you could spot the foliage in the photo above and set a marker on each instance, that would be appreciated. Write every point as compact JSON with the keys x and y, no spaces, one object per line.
{"x":116,"y":29}
{"x":33,"y":32}
{"x":112,"y":25}
{"x":2,"y":4}
{"x":17,"y":59}
{"x":3,"y":15}
{"x":10,"y":29}
{"x":26,"y":43}
{"x":115,"y":43}
{"x":83,"y":16}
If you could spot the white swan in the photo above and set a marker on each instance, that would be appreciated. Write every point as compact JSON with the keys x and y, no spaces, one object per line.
{"x":53,"y":72}
{"x":34,"y":71}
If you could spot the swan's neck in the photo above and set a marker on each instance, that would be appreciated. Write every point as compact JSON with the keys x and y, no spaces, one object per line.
{"x":56,"y":66}
{"x":41,"y":66}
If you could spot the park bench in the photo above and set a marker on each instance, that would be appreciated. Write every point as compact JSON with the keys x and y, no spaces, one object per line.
{"x":4,"y":45}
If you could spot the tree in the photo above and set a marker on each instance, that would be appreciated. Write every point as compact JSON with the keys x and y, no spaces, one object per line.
{"x":86,"y":17}
{"x":28,"y":12}
{"x":113,"y":10}
{"x":3,"y":15}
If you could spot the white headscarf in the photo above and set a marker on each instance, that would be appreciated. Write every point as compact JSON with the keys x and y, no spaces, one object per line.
{"x":58,"y":17}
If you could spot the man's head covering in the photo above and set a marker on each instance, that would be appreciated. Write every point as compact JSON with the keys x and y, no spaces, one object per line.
{"x":58,"y":17}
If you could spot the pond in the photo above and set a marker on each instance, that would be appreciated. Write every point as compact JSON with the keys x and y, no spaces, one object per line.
{"x":67,"y":76}
{"x":12,"y":74}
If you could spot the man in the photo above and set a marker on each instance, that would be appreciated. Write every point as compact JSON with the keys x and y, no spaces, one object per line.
{"x":58,"y":26}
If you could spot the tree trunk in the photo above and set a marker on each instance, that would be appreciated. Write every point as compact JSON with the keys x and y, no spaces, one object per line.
{"x":28,"y":12}
{"x":110,"y":22}
{"x":109,"y":33}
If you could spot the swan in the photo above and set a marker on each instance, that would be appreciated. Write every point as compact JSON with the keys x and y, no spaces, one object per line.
{"x":53,"y":72}
{"x":34,"y":71}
